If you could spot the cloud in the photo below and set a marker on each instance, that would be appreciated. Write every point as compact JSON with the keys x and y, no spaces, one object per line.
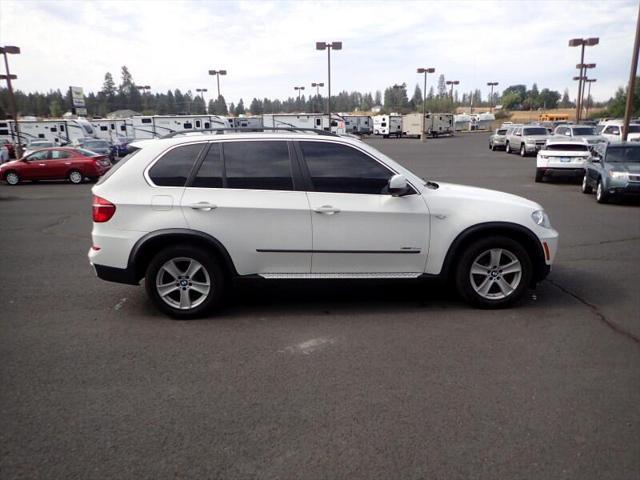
{"x":268,"y":47}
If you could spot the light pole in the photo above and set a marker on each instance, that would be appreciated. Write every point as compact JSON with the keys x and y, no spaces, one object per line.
{"x":423,"y":135}
{"x":452,"y":83}
{"x":631,"y":89}
{"x":491,"y":84}
{"x":202,"y":91}
{"x":317,"y":87}
{"x":328,"y":46}
{"x":299,"y":89}
{"x":12,"y":50}
{"x":584,"y":67}
{"x":589,"y":81}
{"x":581,"y":42}
{"x":217,"y":73}
{"x":579,"y":79}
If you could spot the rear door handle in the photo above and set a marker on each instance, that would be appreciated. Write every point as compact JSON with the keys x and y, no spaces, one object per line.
{"x":326,"y":209}
{"x":204,"y":206}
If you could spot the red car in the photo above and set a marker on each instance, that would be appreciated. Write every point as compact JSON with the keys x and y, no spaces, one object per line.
{"x":57,"y":163}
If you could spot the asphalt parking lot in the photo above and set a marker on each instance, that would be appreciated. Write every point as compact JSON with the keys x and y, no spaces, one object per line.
{"x":338,"y":380}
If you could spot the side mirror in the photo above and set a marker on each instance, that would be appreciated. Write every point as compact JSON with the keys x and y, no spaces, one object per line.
{"x":398,"y":186}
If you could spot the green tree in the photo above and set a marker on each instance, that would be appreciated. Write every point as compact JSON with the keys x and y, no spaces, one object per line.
{"x":566,"y":101}
{"x":256,"y":107}
{"x":548,"y":98}
{"x":416,"y":100}
{"x":240,"y":108}
{"x":55,"y":108}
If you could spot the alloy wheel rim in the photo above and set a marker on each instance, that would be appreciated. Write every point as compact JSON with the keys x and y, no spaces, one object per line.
{"x":75,"y":177}
{"x":495,"y":274}
{"x":599,"y":191}
{"x":12,"y":178}
{"x":183,"y":283}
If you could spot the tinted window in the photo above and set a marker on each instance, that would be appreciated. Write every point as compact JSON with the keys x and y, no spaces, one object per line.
{"x":62,"y":128}
{"x":584,"y":131}
{"x":187,"y":125}
{"x":634,"y":128}
{"x":146,"y":120}
{"x":257,"y":165}
{"x":501,"y":132}
{"x":173,"y":169}
{"x":103,"y":128}
{"x":623,"y":155}
{"x":343,"y":169}
{"x":210,"y":172}
{"x":613,"y":130}
{"x":535,"y":131}
{"x":567,"y":147}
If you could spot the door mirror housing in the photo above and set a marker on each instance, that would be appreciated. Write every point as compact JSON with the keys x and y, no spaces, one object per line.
{"x":398,"y":186}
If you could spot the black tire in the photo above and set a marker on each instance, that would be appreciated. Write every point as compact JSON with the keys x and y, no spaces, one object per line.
{"x":507,"y":148}
{"x":479,"y":251}
{"x":586,"y":188}
{"x":491,"y":147}
{"x":210,"y":272}
{"x":75,"y":177}
{"x":523,"y":151}
{"x":539,"y":175}
{"x":602,"y":196}
{"x":12,"y":178}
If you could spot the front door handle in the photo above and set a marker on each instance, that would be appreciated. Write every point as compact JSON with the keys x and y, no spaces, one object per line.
{"x":42,"y":164}
{"x":327,"y":209}
{"x":204,"y":206}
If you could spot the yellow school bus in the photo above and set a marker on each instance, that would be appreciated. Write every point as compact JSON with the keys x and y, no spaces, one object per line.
{"x":553,"y":117}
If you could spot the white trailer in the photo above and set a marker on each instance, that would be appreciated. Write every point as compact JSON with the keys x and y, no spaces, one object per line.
{"x":159,"y":125}
{"x":439,"y":124}
{"x":482,"y":121}
{"x":462,"y":121}
{"x":387,"y":125}
{"x":58,"y":131}
{"x":112,"y":129}
{"x":358,"y":124}
{"x":246,"y":122}
{"x":412,"y":125}
{"x":316,"y":121}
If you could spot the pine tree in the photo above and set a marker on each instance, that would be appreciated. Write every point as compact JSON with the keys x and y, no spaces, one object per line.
{"x":416,"y":100}
{"x":240,"y":108}
{"x":442,"y":86}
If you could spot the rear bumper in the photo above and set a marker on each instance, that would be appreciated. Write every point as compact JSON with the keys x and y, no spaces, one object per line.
{"x":117,"y":275}
{"x":562,"y":171}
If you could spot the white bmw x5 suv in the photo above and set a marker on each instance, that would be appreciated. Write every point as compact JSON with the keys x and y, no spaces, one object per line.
{"x":189,"y":213}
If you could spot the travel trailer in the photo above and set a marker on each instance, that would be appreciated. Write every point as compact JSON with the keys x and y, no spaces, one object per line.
{"x":159,"y":125}
{"x":112,"y":129}
{"x":60,"y":132}
{"x":316,"y":121}
{"x":435,"y":124}
{"x":387,"y":125}
{"x":245,"y":122}
{"x":358,"y":124}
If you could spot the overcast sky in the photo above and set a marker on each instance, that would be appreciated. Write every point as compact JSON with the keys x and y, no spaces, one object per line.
{"x":268,"y":47}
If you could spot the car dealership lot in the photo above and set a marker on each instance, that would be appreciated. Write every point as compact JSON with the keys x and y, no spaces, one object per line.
{"x":335,"y":380}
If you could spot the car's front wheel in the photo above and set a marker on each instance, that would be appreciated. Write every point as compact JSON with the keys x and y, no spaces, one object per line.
{"x":586,"y":188}
{"x":12,"y":178}
{"x":185,"y":282}
{"x":523,"y":150}
{"x":602,"y":196}
{"x":507,"y":148}
{"x":493,"y":272}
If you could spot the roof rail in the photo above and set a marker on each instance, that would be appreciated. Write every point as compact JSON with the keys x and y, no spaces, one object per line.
{"x":219,"y":131}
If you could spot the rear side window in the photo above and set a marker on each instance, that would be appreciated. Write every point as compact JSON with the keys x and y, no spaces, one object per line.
{"x":257,"y":165}
{"x":113,"y":169}
{"x":210,"y":172}
{"x":172,"y":170}
{"x":343,"y":169}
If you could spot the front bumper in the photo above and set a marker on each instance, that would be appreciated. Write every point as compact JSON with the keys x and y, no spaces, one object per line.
{"x":530,"y":147}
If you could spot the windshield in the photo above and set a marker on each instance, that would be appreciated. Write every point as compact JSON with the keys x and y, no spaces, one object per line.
{"x":634,"y":128}
{"x":567,"y":147}
{"x":534,"y":131}
{"x":623,"y":155}
{"x":584,"y":131}
{"x":501,"y":132}
{"x":87,"y":153}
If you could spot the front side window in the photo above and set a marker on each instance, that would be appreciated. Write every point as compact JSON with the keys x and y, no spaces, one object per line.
{"x":59,"y":154}
{"x":257,"y":165}
{"x":38,"y":156}
{"x":612,"y":130}
{"x":625,"y":154}
{"x":343,"y":169}
{"x":535,"y":131}
{"x":172,"y":170}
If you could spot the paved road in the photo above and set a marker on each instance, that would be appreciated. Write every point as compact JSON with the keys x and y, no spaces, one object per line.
{"x":381,"y":380}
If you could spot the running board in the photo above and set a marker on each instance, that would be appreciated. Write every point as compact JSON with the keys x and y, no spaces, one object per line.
{"x":309,"y":276}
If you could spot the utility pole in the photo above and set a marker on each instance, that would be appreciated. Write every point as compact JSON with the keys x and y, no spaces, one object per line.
{"x":491,"y":84}
{"x":423,"y":134}
{"x":12,"y":50}
{"x":631,"y":89}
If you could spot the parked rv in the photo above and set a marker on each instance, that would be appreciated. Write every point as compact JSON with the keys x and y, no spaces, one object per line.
{"x":358,"y":124}
{"x":316,"y":121}
{"x":159,"y":125}
{"x":112,"y":129}
{"x":462,"y":122}
{"x":60,"y":132}
{"x":387,"y":125}
{"x":246,"y":122}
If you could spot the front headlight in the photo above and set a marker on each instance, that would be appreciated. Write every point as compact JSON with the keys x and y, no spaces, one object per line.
{"x":541,"y":218}
{"x":529,"y":140}
{"x":619,"y":175}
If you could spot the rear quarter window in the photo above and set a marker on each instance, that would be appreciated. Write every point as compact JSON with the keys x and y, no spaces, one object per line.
{"x":174,"y":167}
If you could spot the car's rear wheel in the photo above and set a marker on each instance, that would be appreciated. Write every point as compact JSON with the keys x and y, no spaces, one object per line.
{"x":185,"y":282}
{"x":12,"y":178}
{"x":539,"y":175}
{"x":75,"y":177}
{"x":586,"y":188}
{"x":602,"y":196}
{"x":493,"y":272}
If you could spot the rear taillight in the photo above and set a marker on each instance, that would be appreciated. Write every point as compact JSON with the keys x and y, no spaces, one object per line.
{"x":103,"y":209}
